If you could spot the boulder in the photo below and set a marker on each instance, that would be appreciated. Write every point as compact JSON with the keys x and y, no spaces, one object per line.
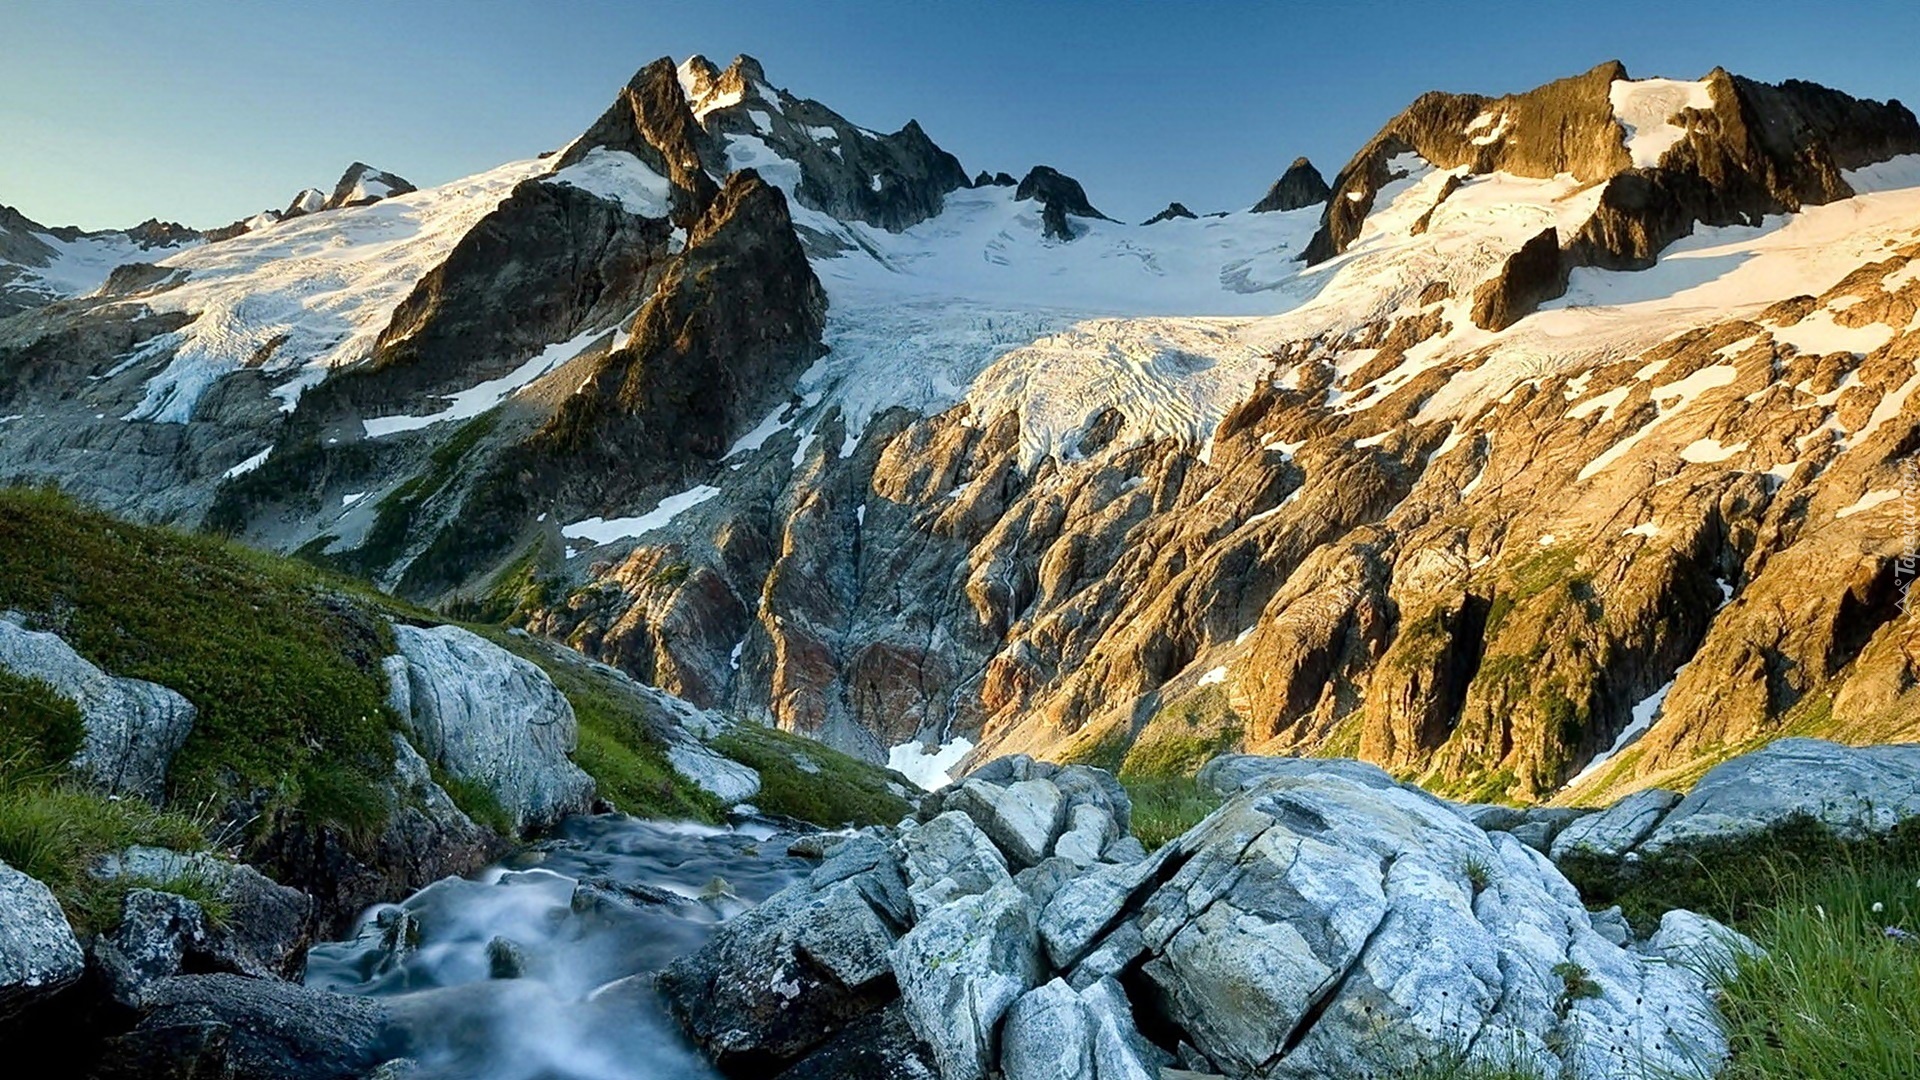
{"x":1022,"y":819}
{"x":960,"y":968}
{"x":264,"y":933}
{"x":1701,"y":945}
{"x":38,"y":952}
{"x":1229,"y":774}
{"x":1853,"y":790}
{"x":947,"y":858}
{"x":227,"y":1027}
{"x":1086,"y":907}
{"x":1614,"y":831}
{"x":133,"y":727}
{"x":489,"y":717}
{"x":878,"y":1046}
{"x":1056,"y":1031}
{"x":775,"y":984}
{"x":1312,"y":913}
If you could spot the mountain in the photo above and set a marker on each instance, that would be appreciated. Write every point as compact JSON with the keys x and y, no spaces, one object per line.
{"x":1555,"y":448}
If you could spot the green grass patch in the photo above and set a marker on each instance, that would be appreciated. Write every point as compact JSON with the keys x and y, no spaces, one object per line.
{"x":281,"y":661}
{"x":1836,"y":995}
{"x":1166,"y":806}
{"x":54,"y":829}
{"x":804,"y":779}
{"x":40,"y":731}
{"x":1739,"y":880}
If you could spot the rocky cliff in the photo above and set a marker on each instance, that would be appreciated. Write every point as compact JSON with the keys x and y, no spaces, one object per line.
{"x":1557,"y":447}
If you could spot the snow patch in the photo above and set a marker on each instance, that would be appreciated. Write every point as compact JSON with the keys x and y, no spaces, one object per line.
{"x":928,"y":769}
{"x":1646,"y":108}
{"x":606,"y":531}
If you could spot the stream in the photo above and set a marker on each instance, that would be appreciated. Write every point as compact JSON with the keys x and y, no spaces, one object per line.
{"x":538,"y":967}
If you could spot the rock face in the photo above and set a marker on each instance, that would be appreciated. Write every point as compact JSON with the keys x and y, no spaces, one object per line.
{"x":489,"y":717}
{"x":1324,"y":922}
{"x":1060,"y":197}
{"x":38,"y":953}
{"x":361,"y":185}
{"x":133,"y":727}
{"x":1299,"y":187}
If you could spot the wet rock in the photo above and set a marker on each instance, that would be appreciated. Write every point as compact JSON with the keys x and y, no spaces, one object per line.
{"x":878,"y":1046}
{"x":38,"y":952}
{"x":133,"y":728}
{"x":505,"y":959}
{"x":491,"y":717}
{"x":1617,"y":829}
{"x":960,"y":968}
{"x":227,"y":1027}
{"x":783,"y":979}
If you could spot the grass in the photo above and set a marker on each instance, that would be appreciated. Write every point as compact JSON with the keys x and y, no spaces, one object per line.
{"x":1835,"y":995}
{"x":1166,"y":806}
{"x":54,"y":829}
{"x":803,"y":779}
{"x":280,"y":661}
{"x":39,"y":729}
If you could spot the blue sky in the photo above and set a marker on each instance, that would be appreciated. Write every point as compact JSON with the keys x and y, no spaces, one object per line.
{"x":208,"y":110}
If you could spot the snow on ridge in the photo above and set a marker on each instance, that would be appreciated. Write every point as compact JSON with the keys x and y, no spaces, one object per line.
{"x":929,"y":770}
{"x":607,"y":530}
{"x":1645,"y":109}
{"x":310,"y":294}
{"x":482,"y":396}
{"x":618,"y":176}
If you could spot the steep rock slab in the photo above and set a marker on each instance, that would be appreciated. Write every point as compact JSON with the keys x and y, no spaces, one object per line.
{"x":1617,"y":829}
{"x":490,"y":717}
{"x":38,"y":953}
{"x":133,"y":727}
{"x":1853,"y":790}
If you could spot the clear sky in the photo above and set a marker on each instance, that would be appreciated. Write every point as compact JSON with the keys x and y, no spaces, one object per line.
{"x":205,"y":111}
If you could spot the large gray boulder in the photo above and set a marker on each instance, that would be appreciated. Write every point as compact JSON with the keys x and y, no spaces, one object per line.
{"x":489,"y":717}
{"x":133,"y":727}
{"x":1230,"y":774}
{"x":1312,"y":914}
{"x":947,"y":858}
{"x":1853,"y":790}
{"x":961,"y":968}
{"x":1056,"y":1031}
{"x":38,"y":952}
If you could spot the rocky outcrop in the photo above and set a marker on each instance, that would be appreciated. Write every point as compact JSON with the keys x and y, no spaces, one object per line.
{"x":1060,"y":197}
{"x":363,"y":185}
{"x":1299,"y":187}
{"x":38,"y":953}
{"x":133,"y":728}
{"x":263,"y":931}
{"x":890,"y":181}
{"x":490,"y":718}
{"x":1174,"y":210}
{"x":650,"y":120}
{"x":1324,"y":922}
{"x":1531,"y":275}
{"x":1854,"y":791}
{"x":228,"y":1027}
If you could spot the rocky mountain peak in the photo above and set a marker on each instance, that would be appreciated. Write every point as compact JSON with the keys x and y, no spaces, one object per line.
{"x":1060,"y":196}
{"x":652,"y":120}
{"x":1173,"y":210}
{"x":1300,"y":186}
{"x":363,"y":185}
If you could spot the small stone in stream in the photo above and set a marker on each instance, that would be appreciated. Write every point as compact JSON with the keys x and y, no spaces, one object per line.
{"x":505,"y":959}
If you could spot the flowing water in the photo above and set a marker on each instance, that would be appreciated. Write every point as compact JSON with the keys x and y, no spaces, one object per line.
{"x":539,"y":968}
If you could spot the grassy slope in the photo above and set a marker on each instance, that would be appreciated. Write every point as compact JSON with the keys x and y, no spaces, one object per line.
{"x":282,"y":660}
